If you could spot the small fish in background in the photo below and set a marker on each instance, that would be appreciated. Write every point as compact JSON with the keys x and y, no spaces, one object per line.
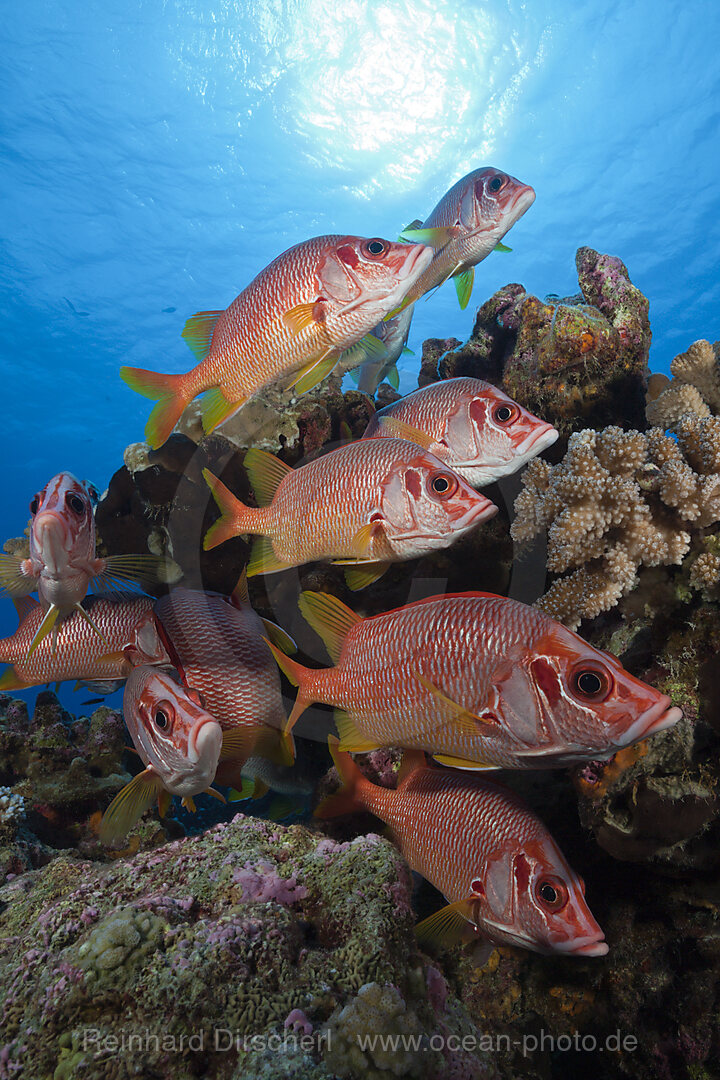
{"x":368,"y":504}
{"x":296,"y":318}
{"x":471,"y":425}
{"x":63,"y":566}
{"x":393,"y":335}
{"x":178,"y":741}
{"x":503,"y":875}
{"x":95,"y":661}
{"x":467,"y":224}
{"x":478,"y":681}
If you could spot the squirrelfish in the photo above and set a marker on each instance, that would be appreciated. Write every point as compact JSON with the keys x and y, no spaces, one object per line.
{"x":367,"y":504}
{"x":80,"y":653}
{"x":62,"y":564}
{"x":218,"y":646}
{"x":479,"y":681}
{"x":466,"y":225}
{"x":178,"y":741}
{"x":473,"y":427}
{"x":296,"y":318}
{"x":504,"y":876}
{"x":393,"y":335}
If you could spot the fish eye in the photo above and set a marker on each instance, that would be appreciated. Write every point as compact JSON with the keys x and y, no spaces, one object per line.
{"x":443,"y":484}
{"x":162,"y":721}
{"x":551,"y":893}
{"x":75,"y":503}
{"x":34,"y":506}
{"x":375,"y":247}
{"x":496,"y":183}
{"x":591,"y":683}
{"x":505,"y":413}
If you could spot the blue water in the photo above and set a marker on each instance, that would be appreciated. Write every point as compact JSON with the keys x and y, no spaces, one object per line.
{"x":157,"y":155}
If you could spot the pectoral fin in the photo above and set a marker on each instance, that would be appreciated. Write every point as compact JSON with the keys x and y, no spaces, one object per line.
{"x":129,"y":805}
{"x":12,"y":580}
{"x":464,"y":286}
{"x":398,"y":429}
{"x":436,"y":238}
{"x":314,"y":372}
{"x":451,"y":925}
{"x":299,"y":318}
{"x":463,"y":717}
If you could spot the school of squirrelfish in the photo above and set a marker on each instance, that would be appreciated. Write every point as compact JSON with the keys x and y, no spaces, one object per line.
{"x":472,"y":680}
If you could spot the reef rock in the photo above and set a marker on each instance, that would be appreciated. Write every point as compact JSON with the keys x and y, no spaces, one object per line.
{"x":253,"y":950}
{"x":576,"y":361}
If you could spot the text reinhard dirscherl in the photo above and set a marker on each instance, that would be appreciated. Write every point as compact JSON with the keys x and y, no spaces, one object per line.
{"x":224,"y":1040}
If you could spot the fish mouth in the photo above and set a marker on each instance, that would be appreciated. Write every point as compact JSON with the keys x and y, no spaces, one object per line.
{"x":53,"y":538}
{"x":658,"y":717}
{"x":538,"y":440}
{"x":594,"y":945}
{"x":475,"y":514}
{"x":522,"y":200}
{"x":205,"y":742}
{"x":417,"y":254}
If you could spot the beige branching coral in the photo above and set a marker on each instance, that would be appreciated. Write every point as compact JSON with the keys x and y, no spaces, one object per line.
{"x":693,"y":390}
{"x":618,"y":501}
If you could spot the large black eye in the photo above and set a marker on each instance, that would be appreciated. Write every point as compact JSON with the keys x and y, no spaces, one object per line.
{"x":34,"y":506}
{"x":75,"y":503}
{"x":503,"y":414}
{"x":443,"y":484}
{"x":496,"y":183}
{"x":552,"y":893}
{"x":591,"y":683}
{"x":376,"y":247}
{"x":161,"y":720}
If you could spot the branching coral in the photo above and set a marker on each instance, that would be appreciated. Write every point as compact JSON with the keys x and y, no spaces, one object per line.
{"x":694,"y":389}
{"x":618,"y":501}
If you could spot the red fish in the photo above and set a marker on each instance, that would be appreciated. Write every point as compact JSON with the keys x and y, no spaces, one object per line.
{"x":296,"y":318}
{"x":62,"y":564}
{"x":473,"y":427}
{"x":217,"y":645}
{"x":466,"y":225}
{"x":502,"y":873}
{"x":370,"y":503}
{"x":477,"y":680}
{"x":178,"y":741}
{"x":80,"y":653}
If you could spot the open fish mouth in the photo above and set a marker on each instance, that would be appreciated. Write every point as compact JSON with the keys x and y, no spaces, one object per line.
{"x":658,"y":717}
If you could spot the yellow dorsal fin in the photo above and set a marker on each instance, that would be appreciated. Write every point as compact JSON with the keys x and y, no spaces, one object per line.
{"x":198,"y":332}
{"x":449,"y":926}
{"x":300,"y":317}
{"x":129,"y":805}
{"x":240,"y":593}
{"x":266,"y":473}
{"x":352,"y":739}
{"x":391,"y":425}
{"x":330,"y":619}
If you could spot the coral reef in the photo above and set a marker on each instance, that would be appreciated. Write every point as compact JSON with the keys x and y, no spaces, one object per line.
{"x":616,"y":502}
{"x":694,"y":388}
{"x":206,"y":946}
{"x":578,"y":361}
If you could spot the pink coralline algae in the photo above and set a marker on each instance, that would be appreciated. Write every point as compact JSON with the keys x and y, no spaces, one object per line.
{"x":260,"y":881}
{"x":298,"y":1021}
